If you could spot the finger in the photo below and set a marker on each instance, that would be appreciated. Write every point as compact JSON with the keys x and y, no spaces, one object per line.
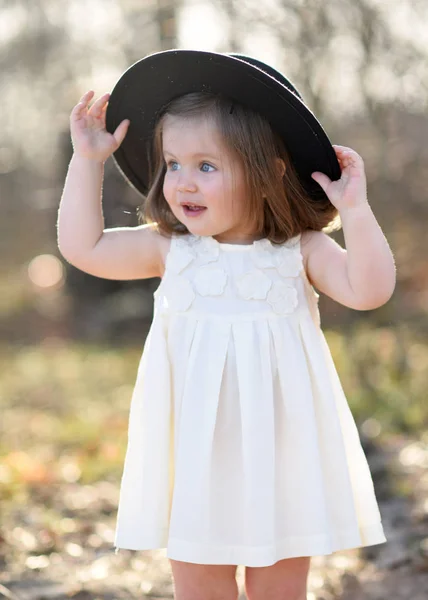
{"x":321,"y":179}
{"x":345,"y":152}
{"x":121,"y":131}
{"x":350,"y":157}
{"x":97,"y":107}
{"x":104,"y":109}
{"x":86,"y":98}
{"x":341,"y":148}
{"x":103,"y":115}
{"x":82,"y":104}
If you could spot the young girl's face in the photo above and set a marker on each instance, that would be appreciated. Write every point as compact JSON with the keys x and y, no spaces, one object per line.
{"x":201,"y":172}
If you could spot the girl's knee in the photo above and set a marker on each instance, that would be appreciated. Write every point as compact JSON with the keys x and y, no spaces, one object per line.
{"x":204,"y":582}
{"x":285,"y":580}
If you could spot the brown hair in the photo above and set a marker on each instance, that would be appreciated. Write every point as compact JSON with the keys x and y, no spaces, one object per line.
{"x":278,"y":207}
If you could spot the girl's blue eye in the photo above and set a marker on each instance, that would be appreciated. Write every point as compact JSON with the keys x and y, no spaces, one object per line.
{"x":171,"y":164}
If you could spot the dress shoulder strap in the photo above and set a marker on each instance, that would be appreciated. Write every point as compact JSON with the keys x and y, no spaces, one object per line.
{"x":293,"y":243}
{"x":311,"y":294}
{"x":182,"y":252}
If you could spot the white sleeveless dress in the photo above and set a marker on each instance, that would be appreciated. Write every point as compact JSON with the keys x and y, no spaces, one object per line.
{"x":241,"y":445}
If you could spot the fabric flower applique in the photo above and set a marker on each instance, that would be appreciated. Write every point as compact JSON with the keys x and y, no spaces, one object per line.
{"x":179,"y":292}
{"x":210,"y":280}
{"x":254,"y":285}
{"x":186,"y":248}
{"x":181,"y":254}
{"x":263,"y":254}
{"x":179,"y":258}
{"x":285,"y":258}
{"x":282,"y":297}
{"x":289,"y":262}
{"x":207,"y":249}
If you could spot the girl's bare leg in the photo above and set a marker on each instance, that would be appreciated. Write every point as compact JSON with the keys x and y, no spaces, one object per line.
{"x":204,"y":582}
{"x":285,"y":580}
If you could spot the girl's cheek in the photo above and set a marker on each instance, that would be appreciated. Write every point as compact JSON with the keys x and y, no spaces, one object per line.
{"x":166,"y":189}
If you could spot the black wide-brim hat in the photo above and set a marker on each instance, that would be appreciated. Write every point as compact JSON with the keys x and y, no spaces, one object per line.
{"x":148,"y":85}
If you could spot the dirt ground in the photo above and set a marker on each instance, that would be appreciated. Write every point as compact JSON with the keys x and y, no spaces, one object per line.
{"x":60,"y":546}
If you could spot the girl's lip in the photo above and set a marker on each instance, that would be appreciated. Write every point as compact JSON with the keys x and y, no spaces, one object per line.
{"x":193,"y":213}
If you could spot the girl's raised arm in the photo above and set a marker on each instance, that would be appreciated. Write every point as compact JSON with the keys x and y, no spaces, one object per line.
{"x":362,"y":276}
{"x":118,"y":253}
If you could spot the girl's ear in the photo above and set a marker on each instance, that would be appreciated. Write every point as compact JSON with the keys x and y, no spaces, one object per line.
{"x":281,"y":166}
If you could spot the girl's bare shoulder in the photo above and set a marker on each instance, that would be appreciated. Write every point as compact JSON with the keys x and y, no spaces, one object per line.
{"x":312,"y":243}
{"x":308,"y":240}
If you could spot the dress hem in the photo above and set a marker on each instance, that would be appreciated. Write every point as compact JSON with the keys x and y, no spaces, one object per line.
{"x":263,"y":556}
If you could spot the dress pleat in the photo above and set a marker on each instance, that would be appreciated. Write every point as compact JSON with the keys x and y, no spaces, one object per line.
{"x":300,"y":517}
{"x":226,"y":495}
{"x":257,"y":423}
{"x":196,"y":423}
{"x":180,"y":337}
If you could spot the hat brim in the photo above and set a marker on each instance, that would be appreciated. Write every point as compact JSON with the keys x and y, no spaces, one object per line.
{"x":148,"y":85}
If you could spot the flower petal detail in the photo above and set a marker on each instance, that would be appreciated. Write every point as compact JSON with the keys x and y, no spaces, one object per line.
{"x":254,"y":285}
{"x":179,"y":293}
{"x":183,"y":241}
{"x":263,"y":254}
{"x":283,"y":297}
{"x":289,"y":262}
{"x":181,"y":253}
{"x":210,"y":281}
{"x":207,"y":249}
{"x":179,"y":258}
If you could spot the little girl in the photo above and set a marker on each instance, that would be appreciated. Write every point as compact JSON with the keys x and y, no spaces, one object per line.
{"x":241,"y":445}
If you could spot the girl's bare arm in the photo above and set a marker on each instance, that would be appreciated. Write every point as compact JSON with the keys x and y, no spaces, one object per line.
{"x":116,"y":253}
{"x":362,"y":276}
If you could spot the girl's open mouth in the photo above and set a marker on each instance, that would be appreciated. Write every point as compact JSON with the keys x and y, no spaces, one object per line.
{"x":193,"y":211}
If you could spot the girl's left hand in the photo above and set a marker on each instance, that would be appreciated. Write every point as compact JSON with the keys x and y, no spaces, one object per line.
{"x":351,"y":189}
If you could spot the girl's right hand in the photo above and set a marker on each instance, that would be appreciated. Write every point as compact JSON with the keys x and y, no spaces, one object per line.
{"x":88,"y":130}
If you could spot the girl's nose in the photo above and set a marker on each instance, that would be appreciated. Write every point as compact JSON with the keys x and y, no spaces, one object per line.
{"x":186,"y":183}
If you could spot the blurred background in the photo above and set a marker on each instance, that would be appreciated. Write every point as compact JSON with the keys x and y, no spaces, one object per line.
{"x":70,"y":343}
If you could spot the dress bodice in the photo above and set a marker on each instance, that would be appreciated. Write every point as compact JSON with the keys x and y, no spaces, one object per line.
{"x":206,"y":277}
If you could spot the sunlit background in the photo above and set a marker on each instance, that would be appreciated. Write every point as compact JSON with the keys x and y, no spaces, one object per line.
{"x":70,"y":342}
